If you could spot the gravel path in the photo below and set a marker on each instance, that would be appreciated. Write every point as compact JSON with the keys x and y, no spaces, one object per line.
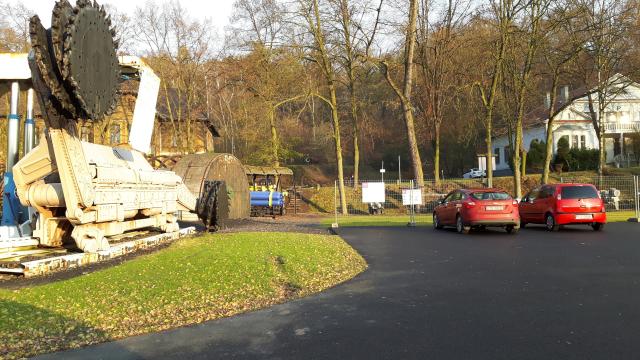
{"x":303,"y":224}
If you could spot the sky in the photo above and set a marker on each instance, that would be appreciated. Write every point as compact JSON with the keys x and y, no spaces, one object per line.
{"x":218,"y":11}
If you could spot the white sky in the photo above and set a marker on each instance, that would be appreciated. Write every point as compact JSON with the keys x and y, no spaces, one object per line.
{"x":218,"y":11}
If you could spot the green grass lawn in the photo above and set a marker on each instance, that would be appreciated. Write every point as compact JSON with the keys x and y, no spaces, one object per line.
{"x":425,"y":219}
{"x":193,"y":280}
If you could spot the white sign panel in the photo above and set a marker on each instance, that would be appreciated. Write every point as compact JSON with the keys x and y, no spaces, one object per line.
{"x":373,"y":192}
{"x":411,"y":196}
{"x":14,"y":67}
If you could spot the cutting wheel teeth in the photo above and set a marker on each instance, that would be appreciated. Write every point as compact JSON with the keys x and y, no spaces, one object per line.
{"x":45,"y":65}
{"x":98,"y":101}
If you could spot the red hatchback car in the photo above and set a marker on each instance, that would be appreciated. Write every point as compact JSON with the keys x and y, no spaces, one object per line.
{"x":467,"y":208}
{"x":563,"y":204}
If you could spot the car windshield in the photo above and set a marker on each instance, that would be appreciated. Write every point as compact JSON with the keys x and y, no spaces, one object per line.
{"x":490,"y":195}
{"x":579,"y":192}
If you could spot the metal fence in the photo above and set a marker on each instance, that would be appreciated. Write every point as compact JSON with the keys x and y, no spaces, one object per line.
{"x":406,"y":201}
{"x":620,"y":193}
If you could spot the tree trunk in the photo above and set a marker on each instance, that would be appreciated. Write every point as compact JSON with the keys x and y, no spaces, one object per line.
{"x":336,"y":134}
{"x":436,"y":153}
{"x":405,"y":94}
{"x":602,"y":163}
{"x":356,"y":147}
{"x":275,"y":145}
{"x":524,"y":164}
{"x":548,"y":153}
{"x":487,"y":139}
{"x":517,"y":175}
{"x":413,"y":144}
{"x":327,"y":69}
{"x":519,"y":169}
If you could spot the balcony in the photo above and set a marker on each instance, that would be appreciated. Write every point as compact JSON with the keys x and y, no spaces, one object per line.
{"x":617,"y":127}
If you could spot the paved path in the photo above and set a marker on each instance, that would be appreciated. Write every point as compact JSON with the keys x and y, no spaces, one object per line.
{"x":439,"y":295}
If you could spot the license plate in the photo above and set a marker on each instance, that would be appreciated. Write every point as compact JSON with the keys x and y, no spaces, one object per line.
{"x":494,"y":208}
{"x":584,"y":217}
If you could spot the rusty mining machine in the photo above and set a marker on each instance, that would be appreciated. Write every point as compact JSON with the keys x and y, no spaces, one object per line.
{"x":72,"y":191}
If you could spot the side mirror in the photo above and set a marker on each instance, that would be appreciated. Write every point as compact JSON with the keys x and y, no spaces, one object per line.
{"x":441,"y":201}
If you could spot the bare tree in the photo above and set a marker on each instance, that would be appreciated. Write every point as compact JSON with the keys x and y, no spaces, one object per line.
{"x":607,"y":24}
{"x":356,"y":42}
{"x":404,"y":94}
{"x":273,"y":74}
{"x":310,"y":12}
{"x":534,"y":10}
{"x":560,"y":49}
{"x":437,"y":44}
{"x":125,"y":29}
{"x":14,"y":26}
{"x":177,"y":48}
{"x":505,"y":13}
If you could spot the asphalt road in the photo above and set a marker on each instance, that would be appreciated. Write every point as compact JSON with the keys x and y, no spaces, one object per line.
{"x":431,"y":294}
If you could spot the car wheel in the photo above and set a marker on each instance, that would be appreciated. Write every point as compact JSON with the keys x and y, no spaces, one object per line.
{"x":460,"y":226}
{"x":597,"y":226}
{"x":436,"y":222}
{"x":550,"y":223}
{"x":511,"y":229}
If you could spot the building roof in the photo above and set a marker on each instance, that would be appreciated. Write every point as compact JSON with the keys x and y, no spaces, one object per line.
{"x":267,"y":170}
{"x":539,"y":115}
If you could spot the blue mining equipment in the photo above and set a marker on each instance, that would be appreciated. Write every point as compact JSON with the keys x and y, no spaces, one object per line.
{"x":267,"y":203}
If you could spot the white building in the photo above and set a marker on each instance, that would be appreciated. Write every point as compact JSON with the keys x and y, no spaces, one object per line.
{"x":573,"y":120}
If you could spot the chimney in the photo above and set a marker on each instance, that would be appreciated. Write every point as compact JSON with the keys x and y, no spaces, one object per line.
{"x":547,"y":100}
{"x":565,"y":93}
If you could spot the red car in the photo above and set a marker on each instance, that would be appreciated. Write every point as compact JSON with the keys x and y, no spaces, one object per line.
{"x":480,"y":208}
{"x":563,"y":204}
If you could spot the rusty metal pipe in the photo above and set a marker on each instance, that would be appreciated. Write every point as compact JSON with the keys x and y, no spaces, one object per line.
{"x":46,"y":195}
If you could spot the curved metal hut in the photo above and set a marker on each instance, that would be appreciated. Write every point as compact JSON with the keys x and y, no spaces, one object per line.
{"x":196,"y":168}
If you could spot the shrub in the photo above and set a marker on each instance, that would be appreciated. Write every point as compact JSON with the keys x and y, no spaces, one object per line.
{"x":582,"y":159}
{"x":535,"y":157}
{"x":562,"y":154}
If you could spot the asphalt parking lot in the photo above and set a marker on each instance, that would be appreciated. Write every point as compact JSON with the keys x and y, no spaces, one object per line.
{"x":574,"y":294}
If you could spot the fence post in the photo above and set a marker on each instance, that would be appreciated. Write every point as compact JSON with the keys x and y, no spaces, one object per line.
{"x":636,"y":187}
{"x":412,"y":216}
{"x":335,"y":204}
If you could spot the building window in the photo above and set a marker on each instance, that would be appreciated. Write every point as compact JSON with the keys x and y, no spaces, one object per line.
{"x":575,"y":142}
{"x":583,"y":142}
{"x":85,"y":133}
{"x":497,"y":155}
{"x":174,"y":140}
{"x":115,"y":134}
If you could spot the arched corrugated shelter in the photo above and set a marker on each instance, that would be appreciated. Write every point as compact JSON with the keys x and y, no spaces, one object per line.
{"x":195,"y":168}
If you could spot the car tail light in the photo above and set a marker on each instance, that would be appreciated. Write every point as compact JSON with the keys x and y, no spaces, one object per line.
{"x":469,"y":204}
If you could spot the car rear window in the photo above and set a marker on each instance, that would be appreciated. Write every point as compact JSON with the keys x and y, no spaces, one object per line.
{"x":579,"y":192}
{"x":490,"y":195}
